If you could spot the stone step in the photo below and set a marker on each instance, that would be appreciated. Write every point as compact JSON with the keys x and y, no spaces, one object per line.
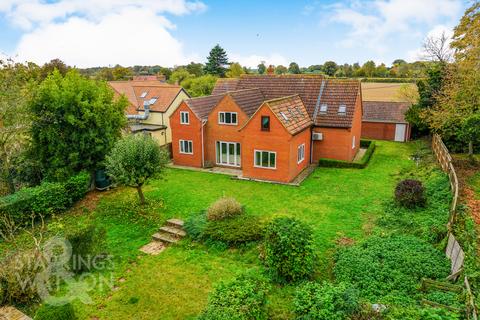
{"x":175,"y":231}
{"x":175,"y":223}
{"x":164,"y":237}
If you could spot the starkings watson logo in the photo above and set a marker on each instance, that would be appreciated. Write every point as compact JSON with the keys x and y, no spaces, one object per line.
{"x":47,"y":273}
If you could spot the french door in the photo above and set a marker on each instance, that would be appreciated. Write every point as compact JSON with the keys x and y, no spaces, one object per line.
{"x":228,"y":153}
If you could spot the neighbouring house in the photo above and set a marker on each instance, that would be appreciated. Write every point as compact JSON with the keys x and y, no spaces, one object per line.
{"x":151,"y":102}
{"x":385,"y":120}
{"x":269,"y":126}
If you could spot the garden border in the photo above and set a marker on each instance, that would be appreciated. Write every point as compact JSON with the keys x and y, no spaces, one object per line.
{"x":445,"y":160}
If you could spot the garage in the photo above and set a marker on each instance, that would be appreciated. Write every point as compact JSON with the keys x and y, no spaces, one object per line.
{"x":383,"y":120}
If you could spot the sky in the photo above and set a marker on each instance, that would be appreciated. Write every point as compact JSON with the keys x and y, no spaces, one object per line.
{"x":89,"y":33}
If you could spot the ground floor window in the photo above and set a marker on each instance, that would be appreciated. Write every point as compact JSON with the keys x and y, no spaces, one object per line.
{"x":265,"y":159}
{"x":301,"y":153}
{"x":186,"y":146}
{"x":228,"y":153}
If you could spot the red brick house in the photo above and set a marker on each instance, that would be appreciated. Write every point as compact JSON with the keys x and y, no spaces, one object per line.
{"x":385,"y":120}
{"x":271,"y":127}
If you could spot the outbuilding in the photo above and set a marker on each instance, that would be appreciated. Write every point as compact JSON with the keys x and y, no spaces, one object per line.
{"x":383,"y":120}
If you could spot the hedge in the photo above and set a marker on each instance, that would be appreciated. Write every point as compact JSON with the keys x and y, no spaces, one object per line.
{"x":391,"y":80}
{"x":46,"y":199}
{"x":330,"y":163}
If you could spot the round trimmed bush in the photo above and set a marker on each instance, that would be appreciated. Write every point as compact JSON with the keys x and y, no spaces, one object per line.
{"x":410,"y":193}
{"x":234,"y":231}
{"x":326,"y":301}
{"x":224,"y":208}
{"x":49,"y":312}
{"x":289,"y":250}
{"x":244,"y":298}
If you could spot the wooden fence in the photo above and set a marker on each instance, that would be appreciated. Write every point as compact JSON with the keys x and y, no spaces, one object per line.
{"x":454,"y":251}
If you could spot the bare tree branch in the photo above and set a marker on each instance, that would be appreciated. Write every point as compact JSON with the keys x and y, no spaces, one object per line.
{"x":438,"y":49}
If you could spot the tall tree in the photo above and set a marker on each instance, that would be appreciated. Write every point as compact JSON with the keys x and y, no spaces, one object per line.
{"x":262,"y":68}
{"x":217,"y":61}
{"x":179,"y":76}
{"x":280,"y":69}
{"x":294,"y":68}
{"x":55,"y":64}
{"x":75,"y":123}
{"x":369,"y":68}
{"x":329,"y":68}
{"x":195,"y":68}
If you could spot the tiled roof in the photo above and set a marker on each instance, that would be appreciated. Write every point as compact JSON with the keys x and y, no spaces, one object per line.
{"x":202,"y":106}
{"x":337,"y":93}
{"x":249,"y":100}
{"x":225,"y":84}
{"x":291,"y":112}
{"x":276,"y":86}
{"x":165,"y":93}
{"x":381,"y":111}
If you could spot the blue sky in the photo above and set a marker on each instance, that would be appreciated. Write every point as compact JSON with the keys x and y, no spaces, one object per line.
{"x":171,"y":32}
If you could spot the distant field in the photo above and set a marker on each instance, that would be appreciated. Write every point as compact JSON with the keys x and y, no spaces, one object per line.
{"x":376,"y":91}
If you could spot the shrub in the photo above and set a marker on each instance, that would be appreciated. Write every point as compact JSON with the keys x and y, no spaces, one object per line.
{"x":387,"y":269}
{"x":87,"y":242}
{"x":410,"y":193}
{"x":331,"y":163}
{"x":224,"y":208}
{"x":325,"y":301}
{"x":17,"y":275}
{"x":195,"y":226}
{"x":289,"y":249}
{"x":61,"y":312}
{"x":45,"y":199}
{"x":234,"y":231}
{"x":244,"y":298}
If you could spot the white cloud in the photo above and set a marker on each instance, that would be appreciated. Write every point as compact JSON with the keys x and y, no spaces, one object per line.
{"x":99,"y":32}
{"x":252,"y":61}
{"x":388,"y":18}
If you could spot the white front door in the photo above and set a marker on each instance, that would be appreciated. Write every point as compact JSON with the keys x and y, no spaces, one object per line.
{"x":400,"y":129}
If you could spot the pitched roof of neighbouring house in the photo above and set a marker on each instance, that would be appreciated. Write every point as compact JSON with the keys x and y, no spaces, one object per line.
{"x":291,"y":112}
{"x":337,"y":95}
{"x":134,"y":89}
{"x":382,"y":111}
{"x":202,"y":106}
{"x":225,"y":84}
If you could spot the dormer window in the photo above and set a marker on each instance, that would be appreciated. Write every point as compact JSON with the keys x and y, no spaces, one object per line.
{"x":184,"y":117}
{"x":144,"y":94}
{"x":265,"y":123}
{"x":227,"y":118}
{"x":342,"y":109}
{"x":323,"y":108}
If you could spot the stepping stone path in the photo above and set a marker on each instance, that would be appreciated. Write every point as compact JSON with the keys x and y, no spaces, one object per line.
{"x":170,"y":233}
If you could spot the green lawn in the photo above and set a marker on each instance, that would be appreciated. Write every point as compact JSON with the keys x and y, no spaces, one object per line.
{"x":175,"y":284}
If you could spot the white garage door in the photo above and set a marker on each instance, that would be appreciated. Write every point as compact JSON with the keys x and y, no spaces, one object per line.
{"x":400,"y":129}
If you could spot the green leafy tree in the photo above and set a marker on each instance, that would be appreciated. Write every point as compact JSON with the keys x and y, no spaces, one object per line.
{"x":330,"y":68}
{"x":262,"y":68}
{"x":470,"y":132}
{"x":369,"y":68}
{"x":179,"y":76}
{"x":105,"y":74}
{"x":201,"y":86}
{"x":166,"y":72}
{"x":55,"y":64}
{"x":235,"y":70}
{"x":294,"y":68}
{"x":135,"y":159}
{"x":217,"y":61}
{"x":75,"y":123}
{"x":280,"y":69}
{"x":121,"y":73}
{"x":195,"y":68}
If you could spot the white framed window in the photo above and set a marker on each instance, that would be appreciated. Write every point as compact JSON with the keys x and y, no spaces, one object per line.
{"x":323,"y":108}
{"x":342,"y":109}
{"x":227,"y":118}
{"x":184,"y":117}
{"x":353,"y":142}
{"x":228,"y":153}
{"x":265,"y":159}
{"x":301,"y":153}
{"x":186,"y":146}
